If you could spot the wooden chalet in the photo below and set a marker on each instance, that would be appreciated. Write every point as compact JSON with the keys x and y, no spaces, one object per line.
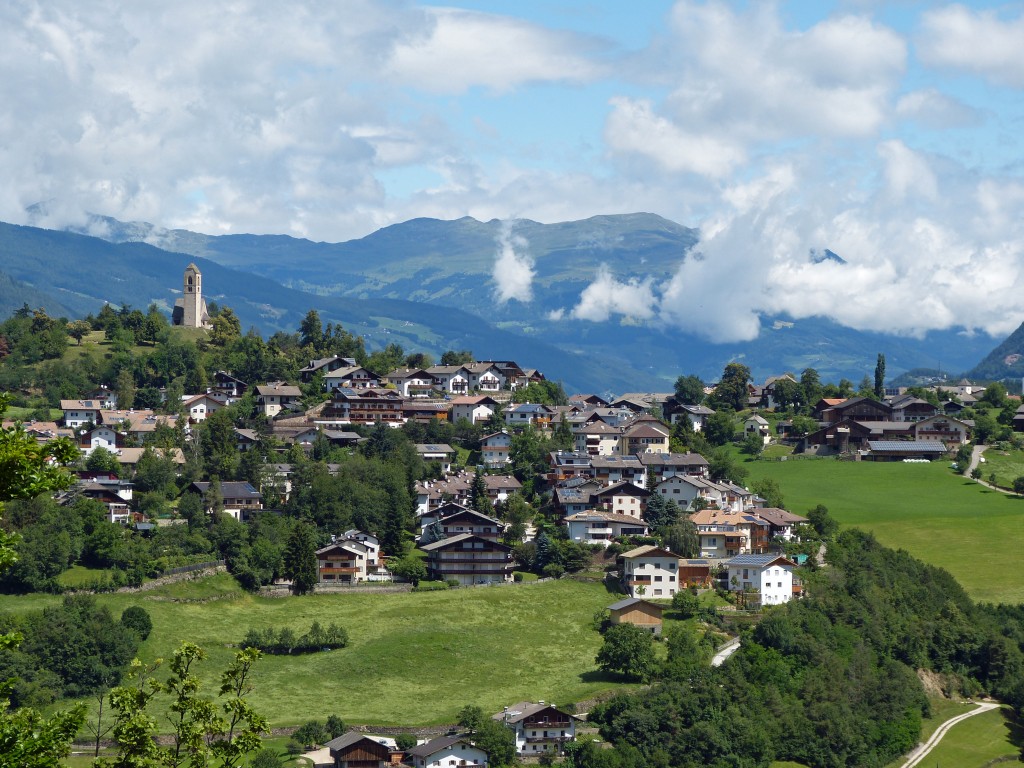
{"x":638,"y":612}
{"x":357,"y":750}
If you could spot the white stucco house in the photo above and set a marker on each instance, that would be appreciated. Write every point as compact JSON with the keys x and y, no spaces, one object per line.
{"x":771,"y":576}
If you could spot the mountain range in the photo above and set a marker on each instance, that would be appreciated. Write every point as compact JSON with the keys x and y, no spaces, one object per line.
{"x":427,"y":284}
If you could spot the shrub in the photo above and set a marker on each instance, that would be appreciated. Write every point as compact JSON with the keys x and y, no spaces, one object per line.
{"x":136,"y":618}
{"x":405,"y":741}
{"x":335,"y":726}
{"x":284,"y":641}
{"x":553,"y":571}
{"x":452,"y":582}
{"x":311,"y":733}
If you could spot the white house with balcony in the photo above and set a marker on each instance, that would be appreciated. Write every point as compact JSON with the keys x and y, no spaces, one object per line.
{"x":769,"y":576}
{"x":650,"y":571}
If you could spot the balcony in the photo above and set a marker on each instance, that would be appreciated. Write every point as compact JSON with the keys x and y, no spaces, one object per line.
{"x":339,"y":570}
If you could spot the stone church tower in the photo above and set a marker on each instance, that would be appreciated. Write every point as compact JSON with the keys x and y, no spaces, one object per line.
{"x":190,"y":310}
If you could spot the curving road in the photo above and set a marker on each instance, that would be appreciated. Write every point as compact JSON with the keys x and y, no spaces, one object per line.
{"x":922,"y":750}
{"x":725,"y":652}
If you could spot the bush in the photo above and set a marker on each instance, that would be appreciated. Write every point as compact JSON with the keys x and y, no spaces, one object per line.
{"x":517,"y":576}
{"x":284,"y":641}
{"x":136,"y":618}
{"x":267,"y":758}
{"x":430,"y":586}
{"x":312,"y":733}
{"x":335,"y":726}
{"x":405,"y":741}
{"x":553,"y":571}
{"x":452,"y":582}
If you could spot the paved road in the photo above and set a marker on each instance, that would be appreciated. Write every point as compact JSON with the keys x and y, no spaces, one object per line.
{"x":725,"y":652}
{"x":922,"y":750}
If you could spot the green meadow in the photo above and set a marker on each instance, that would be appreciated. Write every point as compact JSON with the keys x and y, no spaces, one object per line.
{"x":938,"y":516}
{"x":413,"y":658}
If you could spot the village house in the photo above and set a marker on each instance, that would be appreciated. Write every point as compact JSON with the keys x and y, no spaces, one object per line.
{"x":352,"y":558}
{"x":442,"y":453}
{"x":567,"y":464}
{"x":104,"y":395}
{"x":78,"y":413}
{"x":227,"y":385}
{"x":538,"y":727}
{"x":500,"y":487}
{"x":951,"y":432}
{"x":910,"y":408}
{"x":324,"y":365}
{"x":767,"y":577}
{"x":726,"y":533}
{"x":609,"y":470}
{"x":494,"y":449}
{"x":276,"y":396}
{"x":444,"y":752}
{"x":621,"y":498}
{"x":431,"y":494}
{"x":453,"y":519}
{"x":638,"y":612}
{"x":363,"y":406}
{"x":240,"y":499}
{"x":469,"y":559}
{"x":782,"y":523}
{"x":412,"y":382}
{"x":350,"y":377}
{"x":857,"y":409}
{"x":523,"y":414}
{"x":453,"y":379}
{"x":483,"y":377}
{"x":649,"y":571}
{"x":597,"y":438}
{"x":597,"y":527}
{"x":198,"y":407}
{"x":757,"y":425}
{"x":476,"y":409}
{"x":666,"y":465}
{"x":647,"y":435}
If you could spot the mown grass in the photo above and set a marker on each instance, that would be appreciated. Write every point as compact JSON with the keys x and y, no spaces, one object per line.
{"x":977,"y":740}
{"x":81,"y":576}
{"x":1007,"y":465}
{"x":942,"y":518}
{"x":413,"y":659}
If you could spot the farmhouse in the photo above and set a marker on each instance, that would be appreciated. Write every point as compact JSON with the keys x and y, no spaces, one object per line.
{"x":357,"y":750}
{"x":446,"y":751}
{"x":538,"y":727}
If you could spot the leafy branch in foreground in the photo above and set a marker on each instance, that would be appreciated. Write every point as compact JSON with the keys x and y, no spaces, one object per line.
{"x":207,"y":732}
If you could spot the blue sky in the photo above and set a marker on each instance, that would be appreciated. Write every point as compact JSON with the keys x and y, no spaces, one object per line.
{"x":889,"y":132}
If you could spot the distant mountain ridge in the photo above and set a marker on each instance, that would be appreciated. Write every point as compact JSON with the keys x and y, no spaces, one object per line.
{"x":1006,"y":361}
{"x":427,"y":284}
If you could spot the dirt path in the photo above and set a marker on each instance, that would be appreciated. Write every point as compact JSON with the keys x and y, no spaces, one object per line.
{"x":922,"y":750}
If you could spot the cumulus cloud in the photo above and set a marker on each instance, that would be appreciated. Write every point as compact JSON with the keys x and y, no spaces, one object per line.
{"x":606,"y":296}
{"x":461,"y":49}
{"x":979,"y":41}
{"x":513,"y":267}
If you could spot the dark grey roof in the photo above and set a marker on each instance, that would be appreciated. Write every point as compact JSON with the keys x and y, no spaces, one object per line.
{"x":756,"y":560}
{"x":435,"y":745}
{"x":630,"y":601}
{"x":348,"y":739}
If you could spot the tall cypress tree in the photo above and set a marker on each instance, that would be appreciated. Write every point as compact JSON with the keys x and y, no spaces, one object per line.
{"x":880,"y":376}
{"x":300,"y":559}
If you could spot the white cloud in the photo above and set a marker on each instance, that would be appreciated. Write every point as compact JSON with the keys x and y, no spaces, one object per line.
{"x":606,"y":296}
{"x":907,"y":173}
{"x":513,"y":267}
{"x":979,"y":41}
{"x":461,"y":49}
{"x":633,"y":128}
{"x":934,"y":109}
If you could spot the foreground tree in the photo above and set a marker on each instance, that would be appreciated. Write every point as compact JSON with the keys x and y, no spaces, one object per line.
{"x":27,"y":738}
{"x":300,"y":559}
{"x":628,"y":650}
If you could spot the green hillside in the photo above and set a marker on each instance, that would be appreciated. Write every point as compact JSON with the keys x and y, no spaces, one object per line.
{"x":934,"y":514}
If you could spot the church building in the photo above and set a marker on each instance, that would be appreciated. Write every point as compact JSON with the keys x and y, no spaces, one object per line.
{"x":190,"y":310}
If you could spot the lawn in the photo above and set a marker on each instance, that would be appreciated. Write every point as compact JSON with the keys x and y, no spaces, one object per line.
{"x":976,"y":741}
{"x":940,"y":517}
{"x":414,"y":658}
{"x":1008,"y":466}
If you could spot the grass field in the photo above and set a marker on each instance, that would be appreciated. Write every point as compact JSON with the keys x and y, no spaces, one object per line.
{"x":976,"y":741}
{"x":1008,"y":465}
{"x":413,"y":659}
{"x":940,"y":517}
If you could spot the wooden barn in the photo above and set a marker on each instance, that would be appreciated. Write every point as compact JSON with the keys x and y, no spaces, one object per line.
{"x":642,"y":613}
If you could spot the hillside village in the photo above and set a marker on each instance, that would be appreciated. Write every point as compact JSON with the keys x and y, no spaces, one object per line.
{"x":490,"y":473}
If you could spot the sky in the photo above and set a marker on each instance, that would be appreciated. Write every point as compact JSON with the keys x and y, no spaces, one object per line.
{"x":890,"y":133}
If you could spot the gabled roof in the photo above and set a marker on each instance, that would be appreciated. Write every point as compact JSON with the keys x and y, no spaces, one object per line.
{"x":524,"y":709}
{"x":648,"y":550}
{"x":436,"y":745}
{"x":597,"y":516}
{"x":231,"y":489}
{"x":423,"y":448}
{"x":279,"y":388}
{"x":463,"y":511}
{"x":906,"y":446}
{"x":778,"y":517}
{"x":760,"y":561}
{"x":622,"y":487}
{"x":352,"y":738}
{"x":629,"y":602}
